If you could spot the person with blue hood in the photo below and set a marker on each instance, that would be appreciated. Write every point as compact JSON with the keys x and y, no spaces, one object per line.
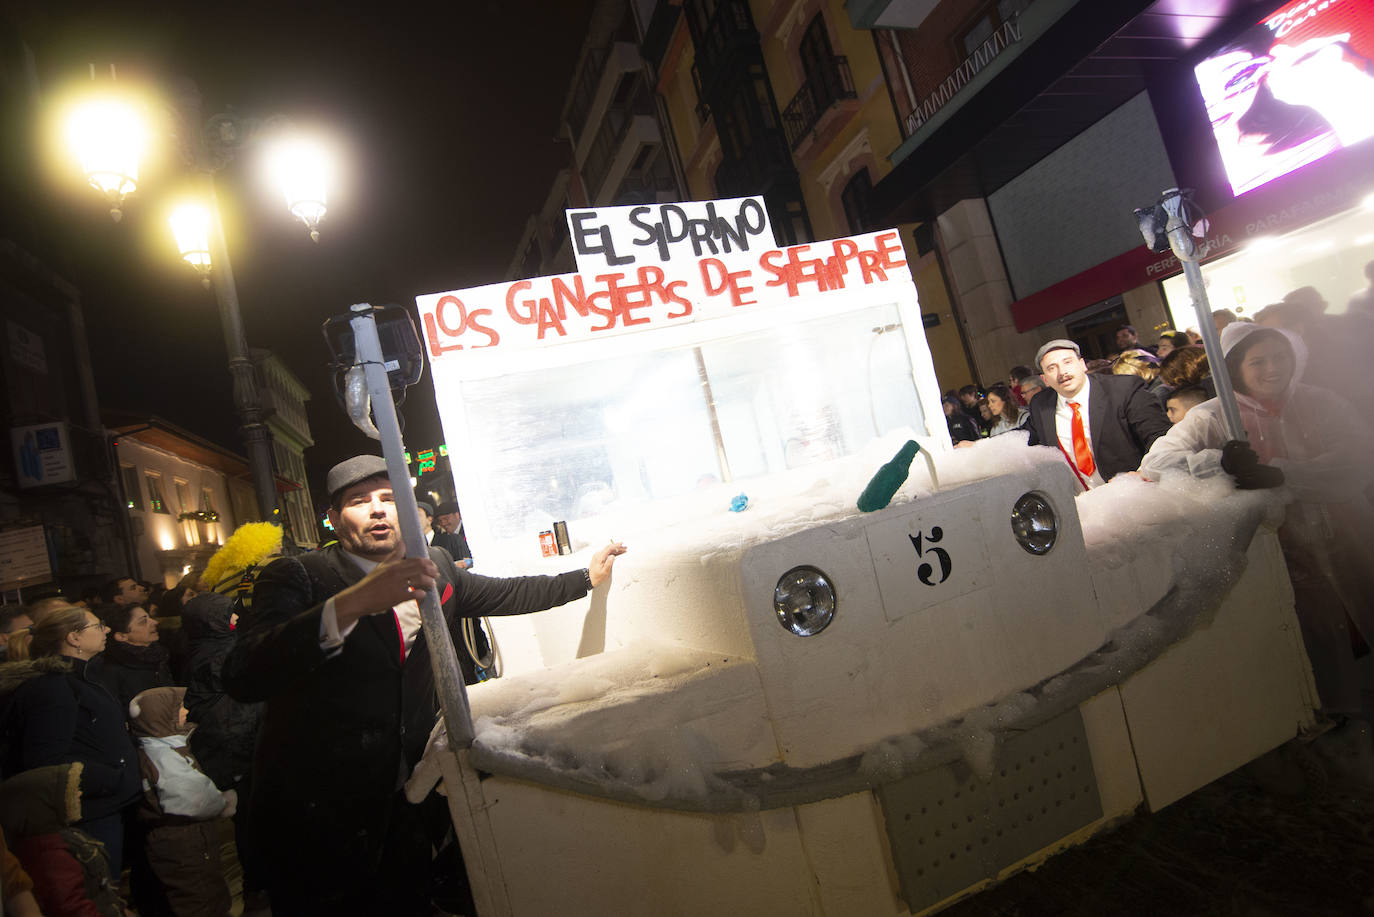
{"x":1313,"y":444}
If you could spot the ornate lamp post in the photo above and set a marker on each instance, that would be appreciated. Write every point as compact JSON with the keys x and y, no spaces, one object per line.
{"x":109,"y":138}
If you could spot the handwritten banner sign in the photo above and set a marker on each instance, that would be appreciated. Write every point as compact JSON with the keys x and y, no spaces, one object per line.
{"x":623,"y":286}
{"x":613,"y":238}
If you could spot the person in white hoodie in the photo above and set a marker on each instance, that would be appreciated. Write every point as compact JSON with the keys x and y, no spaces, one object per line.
{"x":180,"y":808}
{"x":1314,"y":445}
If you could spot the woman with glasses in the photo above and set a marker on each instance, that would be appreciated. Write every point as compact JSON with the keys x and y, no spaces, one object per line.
{"x":53,"y":712}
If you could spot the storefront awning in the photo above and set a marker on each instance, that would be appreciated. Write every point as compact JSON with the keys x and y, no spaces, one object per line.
{"x":1092,"y":59}
{"x":1342,"y":180}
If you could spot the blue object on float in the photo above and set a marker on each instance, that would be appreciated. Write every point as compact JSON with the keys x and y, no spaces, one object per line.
{"x":739,"y":503}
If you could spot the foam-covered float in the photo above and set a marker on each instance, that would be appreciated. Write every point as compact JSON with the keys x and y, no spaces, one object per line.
{"x":780,"y":704}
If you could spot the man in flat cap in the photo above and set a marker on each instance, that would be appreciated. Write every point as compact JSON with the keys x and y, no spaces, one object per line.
{"x":448,"y":534}
{"x":1103,"y":424}
{"x":334,"y":647}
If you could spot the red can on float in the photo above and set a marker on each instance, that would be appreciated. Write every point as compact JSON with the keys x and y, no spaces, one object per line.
{"x":547,"y":546}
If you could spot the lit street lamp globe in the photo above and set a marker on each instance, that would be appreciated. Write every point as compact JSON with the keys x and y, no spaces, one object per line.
{"x":301,"y":169}
{"x":191,"y":227}
{"x":109,"y":137}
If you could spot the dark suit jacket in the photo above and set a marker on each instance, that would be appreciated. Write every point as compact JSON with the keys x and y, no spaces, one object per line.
{"x":1124,"y":420}
{"x":455,"y":545}
{"x":339,"y":732}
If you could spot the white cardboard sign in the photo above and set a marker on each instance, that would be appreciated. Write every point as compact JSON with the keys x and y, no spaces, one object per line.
{"x":645,"y":294}
{"x":23,"y":558}
{"x":619,"y":238}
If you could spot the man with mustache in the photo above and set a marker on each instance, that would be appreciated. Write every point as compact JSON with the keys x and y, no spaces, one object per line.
{"x":1103,"y":424}
{"x":334,"y":646}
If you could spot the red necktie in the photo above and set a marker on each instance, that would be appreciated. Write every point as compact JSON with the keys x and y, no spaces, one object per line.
{"x":1082,"y":452}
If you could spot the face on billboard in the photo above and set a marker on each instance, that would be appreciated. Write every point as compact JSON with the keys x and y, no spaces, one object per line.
{"x":1290,"y":90}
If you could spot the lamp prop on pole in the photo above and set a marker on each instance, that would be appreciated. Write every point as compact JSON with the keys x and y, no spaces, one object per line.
{"x":1174,"y":223}
{"x":369,"y":373}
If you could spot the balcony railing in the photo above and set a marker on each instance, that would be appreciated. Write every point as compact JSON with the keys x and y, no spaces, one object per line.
{"x":647,"y":186}
{"x":997,"y":42}
{"x":613,"y":128}
{"x":585,"y":90}
{"x":815,"y":98}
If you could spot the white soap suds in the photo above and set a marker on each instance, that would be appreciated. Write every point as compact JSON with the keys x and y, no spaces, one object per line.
{"x":630,"y":723}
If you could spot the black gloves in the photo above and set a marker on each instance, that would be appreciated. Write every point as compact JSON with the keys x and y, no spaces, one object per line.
{"x":1241,"y":462}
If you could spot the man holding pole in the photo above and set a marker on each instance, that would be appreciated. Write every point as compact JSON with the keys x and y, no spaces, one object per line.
{"x":335,"y":648}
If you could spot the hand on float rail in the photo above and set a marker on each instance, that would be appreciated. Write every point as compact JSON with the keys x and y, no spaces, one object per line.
{"x":600,"y":567}
{"x":392,"y":583}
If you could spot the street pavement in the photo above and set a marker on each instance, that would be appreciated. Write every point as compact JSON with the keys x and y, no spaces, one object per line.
{"x":1290,"y":835}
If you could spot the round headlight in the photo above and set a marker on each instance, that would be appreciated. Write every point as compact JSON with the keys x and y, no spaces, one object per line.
{"x":1034,"y":524}
{"x":804,"y":600}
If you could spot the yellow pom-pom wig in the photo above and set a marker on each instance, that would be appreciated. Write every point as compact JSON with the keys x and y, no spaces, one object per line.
{"x":251,"y":544}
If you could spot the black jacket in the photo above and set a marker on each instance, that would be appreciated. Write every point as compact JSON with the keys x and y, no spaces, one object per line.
{"x":455,"y":545}
{"x":339,"y":733}
{"x":128,"y":670}
{"x":1124,"y":420}
{"x":225,"y":728}
{"x":58,"y":714}
{"x":962,"y":429}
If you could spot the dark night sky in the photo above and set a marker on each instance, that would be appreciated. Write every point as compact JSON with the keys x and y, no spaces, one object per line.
{"x":448,"y":123}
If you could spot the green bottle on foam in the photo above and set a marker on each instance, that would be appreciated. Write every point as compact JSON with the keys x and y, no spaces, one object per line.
{"x":889,"y":479}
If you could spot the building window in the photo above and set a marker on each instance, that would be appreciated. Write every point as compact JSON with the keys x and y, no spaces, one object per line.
{"x":155,"y":501}
{"x":699,"y":16}
{"x":184,"y":504}
{"x":133,"y":494}
{"x":854,"y":198}
{"x":787,"y":213}
{"x":207,"y":500}
{"x":989,"y":21}
{"x":819,"y":66}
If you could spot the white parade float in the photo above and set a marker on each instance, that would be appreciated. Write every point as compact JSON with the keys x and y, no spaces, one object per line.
{"x":798,"y":707}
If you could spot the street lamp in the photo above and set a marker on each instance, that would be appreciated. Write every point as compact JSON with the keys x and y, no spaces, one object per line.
{"x":191,"y":228}
{"x":300,"y":167}
{"x":109,"y":138}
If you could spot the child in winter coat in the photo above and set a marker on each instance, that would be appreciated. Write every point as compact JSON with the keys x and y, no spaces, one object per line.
{"x":180,"y":808}
{"x":70,"y":874}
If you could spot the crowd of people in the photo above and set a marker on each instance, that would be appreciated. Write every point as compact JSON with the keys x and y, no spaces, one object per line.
{"x":1308,"y":415}
{"x":143,"y":729}
{"x":129,"y":761}
{"x":100,"y":774}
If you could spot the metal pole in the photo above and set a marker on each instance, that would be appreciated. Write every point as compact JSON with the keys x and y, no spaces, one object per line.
{"x":448,"y":679}
{"x":1185,"y":249}
{"x":257,"y":437}
{"x":710,"y":398}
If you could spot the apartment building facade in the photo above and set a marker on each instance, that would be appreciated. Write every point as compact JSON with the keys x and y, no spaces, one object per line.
{"x":1031,"y":130}
{"x":790,"y":101}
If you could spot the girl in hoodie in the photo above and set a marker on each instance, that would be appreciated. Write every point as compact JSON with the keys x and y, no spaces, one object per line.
{"x":180,"y":808}
{"x":1321,"y":450}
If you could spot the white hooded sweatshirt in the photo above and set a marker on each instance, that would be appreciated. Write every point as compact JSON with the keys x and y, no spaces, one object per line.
{"x":1326,"y":452}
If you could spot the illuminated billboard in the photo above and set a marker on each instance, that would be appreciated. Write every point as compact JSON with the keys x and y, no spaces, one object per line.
{"x":1291,"y":89}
